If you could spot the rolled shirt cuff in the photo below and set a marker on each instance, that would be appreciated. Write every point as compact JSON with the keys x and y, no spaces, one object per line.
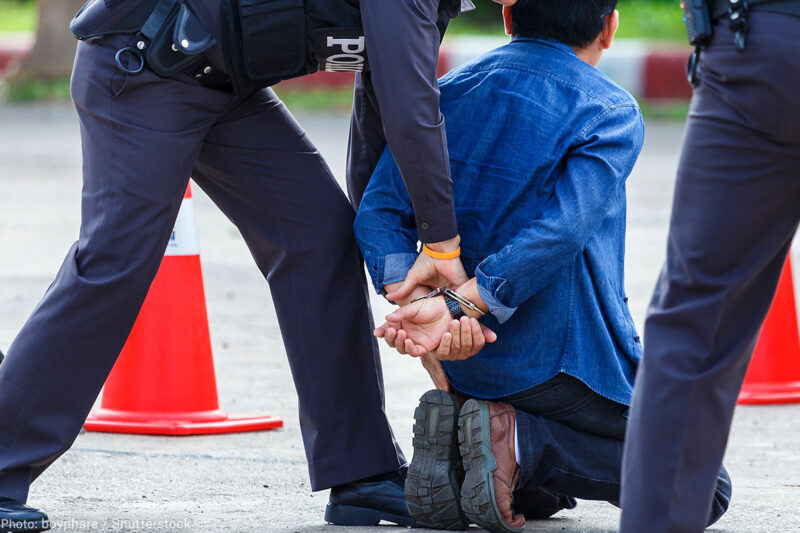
{"x":395,"y":268}
{"x":488,"y":288}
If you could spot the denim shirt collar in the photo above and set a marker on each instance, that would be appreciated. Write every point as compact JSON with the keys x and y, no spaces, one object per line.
{"x":547,"y":42}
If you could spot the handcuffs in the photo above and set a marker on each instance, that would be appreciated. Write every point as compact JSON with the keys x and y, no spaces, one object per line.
{"x":454,"y":302}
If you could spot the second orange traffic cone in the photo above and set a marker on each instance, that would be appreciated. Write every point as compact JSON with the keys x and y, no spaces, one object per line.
{"x":163,"y":382}
{"x":774,"y":372}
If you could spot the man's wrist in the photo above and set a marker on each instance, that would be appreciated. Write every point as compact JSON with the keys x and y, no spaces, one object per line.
{"x":471,"y":313}
{"x":457,"y":303}
{"x":469,"y":290}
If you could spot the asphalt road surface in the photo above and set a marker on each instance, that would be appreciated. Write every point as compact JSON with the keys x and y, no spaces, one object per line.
{"x":258,"y":481}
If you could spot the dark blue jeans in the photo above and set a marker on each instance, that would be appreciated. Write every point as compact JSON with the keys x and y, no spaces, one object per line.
{"x":571,"y":441}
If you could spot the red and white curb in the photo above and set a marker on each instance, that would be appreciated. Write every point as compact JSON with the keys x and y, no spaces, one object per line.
{"x":647,"y":70}
{"x":13,"y":49}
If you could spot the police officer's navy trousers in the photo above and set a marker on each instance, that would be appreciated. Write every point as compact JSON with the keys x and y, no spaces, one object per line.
{"x":143,"y":136}
{"x":736,"y":209}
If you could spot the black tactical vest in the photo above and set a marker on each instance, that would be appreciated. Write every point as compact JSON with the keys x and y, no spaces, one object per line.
{"x":273,"y":40}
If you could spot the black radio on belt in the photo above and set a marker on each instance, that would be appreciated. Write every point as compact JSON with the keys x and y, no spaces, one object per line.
{"x":697,"y":16}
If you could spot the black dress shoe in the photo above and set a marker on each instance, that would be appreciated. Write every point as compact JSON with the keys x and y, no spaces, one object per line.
{"x":369,"y":501}
{"x":16,"y":517}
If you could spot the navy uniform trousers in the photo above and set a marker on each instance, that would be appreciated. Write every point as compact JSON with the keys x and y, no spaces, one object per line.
{"x":143,"y":136}
{"x":736,"y":209}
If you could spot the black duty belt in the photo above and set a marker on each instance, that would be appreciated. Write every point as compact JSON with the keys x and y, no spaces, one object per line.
{"x":699,"y":16}
{"x":169,"y":38}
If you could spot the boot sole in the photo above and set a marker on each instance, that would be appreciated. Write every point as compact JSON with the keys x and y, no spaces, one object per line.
{"x":433,"y":494}
{"x":477,"y":493}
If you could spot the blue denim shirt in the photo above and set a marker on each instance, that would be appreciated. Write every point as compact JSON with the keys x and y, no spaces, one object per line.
{"x":540,"y":146}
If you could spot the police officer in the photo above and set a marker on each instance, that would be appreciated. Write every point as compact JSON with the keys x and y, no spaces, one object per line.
{"x":736,"y":209}
{"x":166,"y":89}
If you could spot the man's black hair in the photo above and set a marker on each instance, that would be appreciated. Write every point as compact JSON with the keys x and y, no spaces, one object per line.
{"x":573,"y":22}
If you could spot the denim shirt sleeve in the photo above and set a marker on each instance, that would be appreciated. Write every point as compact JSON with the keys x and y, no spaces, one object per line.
{"x":385,"y":226}
{"x":604,"y":154}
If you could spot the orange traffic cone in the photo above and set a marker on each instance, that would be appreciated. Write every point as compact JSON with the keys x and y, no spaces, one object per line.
{"x":163,"y":382}
{"x":774,"y":372}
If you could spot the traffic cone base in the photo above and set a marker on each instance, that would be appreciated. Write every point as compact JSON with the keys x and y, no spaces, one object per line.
{"x":199,"y":423}
{"x":770,"y":394}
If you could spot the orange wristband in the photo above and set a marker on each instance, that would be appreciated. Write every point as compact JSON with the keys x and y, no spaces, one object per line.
{"x":441,"y":255}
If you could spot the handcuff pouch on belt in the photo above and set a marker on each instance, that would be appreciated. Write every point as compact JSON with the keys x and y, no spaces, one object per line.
{"x":169,"y":38}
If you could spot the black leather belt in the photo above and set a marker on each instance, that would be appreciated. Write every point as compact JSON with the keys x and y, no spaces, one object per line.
{"x":169,"y":39}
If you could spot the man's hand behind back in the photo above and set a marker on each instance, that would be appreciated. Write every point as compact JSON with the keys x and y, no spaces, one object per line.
{"x":425,"y":321}
{"x":430,"y":272}
{"x":426,"y":327}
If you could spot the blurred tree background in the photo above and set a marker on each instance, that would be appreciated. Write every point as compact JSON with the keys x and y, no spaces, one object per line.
{"x":54,"y":46}
{"x":46,"y":69}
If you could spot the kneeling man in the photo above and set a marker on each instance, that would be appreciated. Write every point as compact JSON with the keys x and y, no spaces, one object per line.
{"x":541,"y":144}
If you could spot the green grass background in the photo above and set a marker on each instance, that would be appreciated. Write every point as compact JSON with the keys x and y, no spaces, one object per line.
{"x":17,"y":15}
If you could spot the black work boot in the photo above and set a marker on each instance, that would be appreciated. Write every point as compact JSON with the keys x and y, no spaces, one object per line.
{"x":433,"y":485}
{"x":16,"y":517}
{"x":370,"y":501}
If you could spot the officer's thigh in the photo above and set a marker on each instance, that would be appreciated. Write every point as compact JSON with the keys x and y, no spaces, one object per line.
{"x":738,"y":188}
{"x":262,"y":170}
{"x":141,"y":135}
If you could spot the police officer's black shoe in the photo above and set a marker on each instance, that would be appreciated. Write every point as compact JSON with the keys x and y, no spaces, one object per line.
{"x":370,"y":501}
{"x":16,"y":517}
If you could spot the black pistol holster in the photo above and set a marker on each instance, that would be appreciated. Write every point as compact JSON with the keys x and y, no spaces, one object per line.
{"x":169,"y":38}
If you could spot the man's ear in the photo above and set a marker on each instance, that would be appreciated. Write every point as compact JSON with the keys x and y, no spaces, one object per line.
{"x":507,"y":20}
{"x":609,"y":30}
